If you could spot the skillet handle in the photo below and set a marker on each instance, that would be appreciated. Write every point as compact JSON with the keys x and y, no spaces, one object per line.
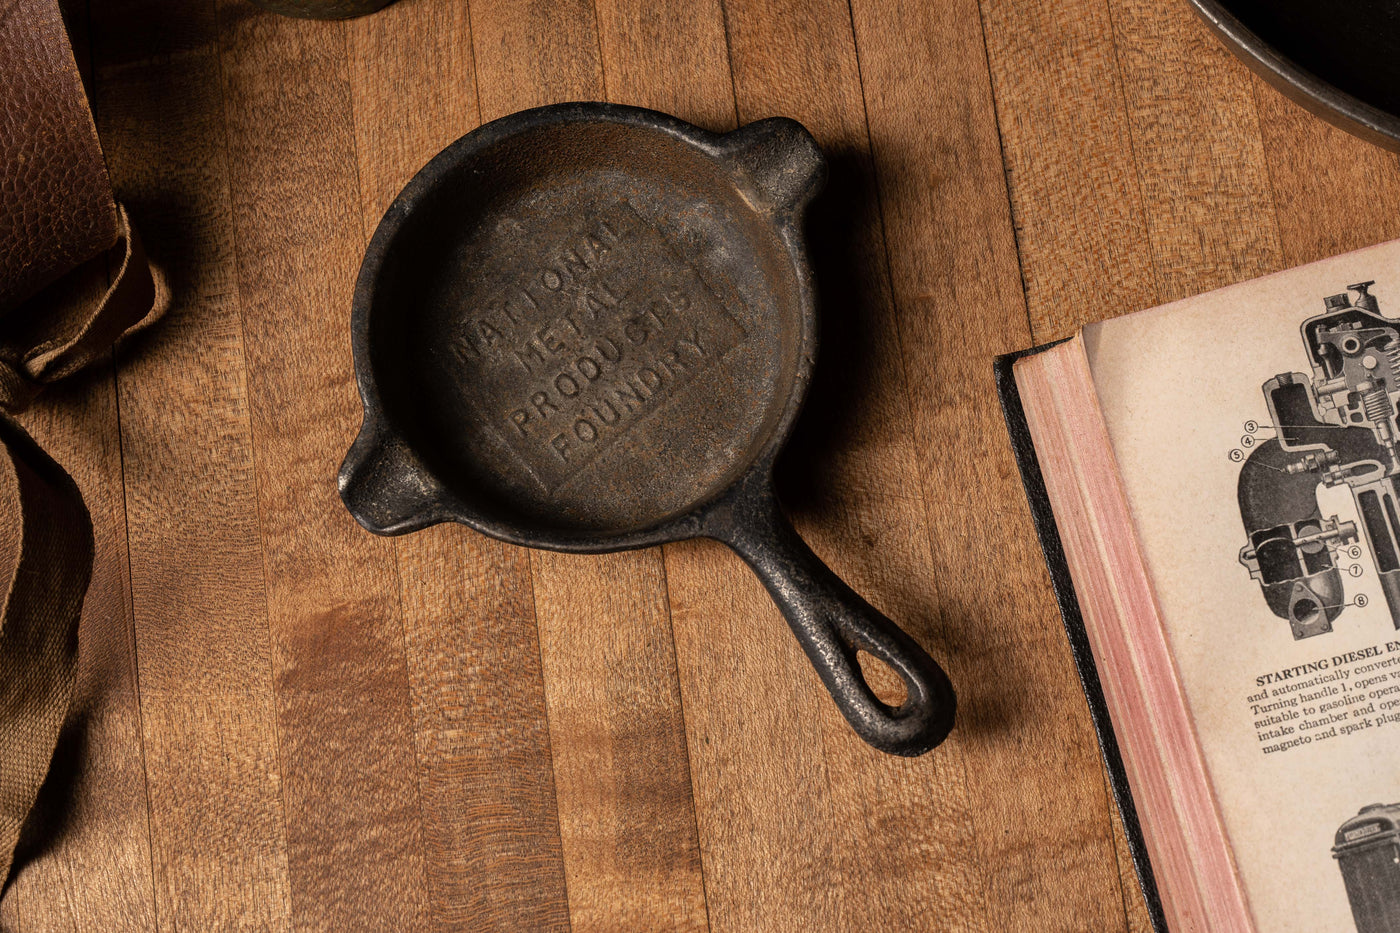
{"x":831,"y":622}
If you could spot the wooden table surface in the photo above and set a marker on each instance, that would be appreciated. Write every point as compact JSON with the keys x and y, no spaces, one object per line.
{"x":285,"y":722}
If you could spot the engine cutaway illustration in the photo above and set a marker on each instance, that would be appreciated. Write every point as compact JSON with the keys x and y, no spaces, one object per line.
{"x":1335,"y":427}
{"x":1367,"y":849}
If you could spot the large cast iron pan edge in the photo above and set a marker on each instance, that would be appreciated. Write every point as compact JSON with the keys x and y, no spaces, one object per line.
{"x":1313,"y":93}
{"x":390,"y":490}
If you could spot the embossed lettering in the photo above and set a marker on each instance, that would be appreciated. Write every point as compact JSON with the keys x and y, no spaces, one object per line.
{"x":608,"y":344}
{"x":489,"y":333}
{"x":636,"y":330}
{"x":616,"y":415}
{"x":630,"y":396}
{"x":573,"y":265}
{"x":550,"y":340}
{"x":542,"y":404}
{"x":589,"y":367}
{"x":520,"y":307}
{"x":464,"y":349}
{"x":598,"y":247}
{"x":598,"y":299}
{"x":589,"y":336}
{"x":678,"y":299}
{"x":670,"y":361}
{"x":692,"y":341}
{"x":531,"y":350}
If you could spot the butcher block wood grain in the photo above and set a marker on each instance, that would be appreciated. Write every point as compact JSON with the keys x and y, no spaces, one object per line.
{"x":285,"y":723}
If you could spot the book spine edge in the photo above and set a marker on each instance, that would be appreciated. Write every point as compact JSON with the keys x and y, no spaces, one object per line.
{"x":1052,"y":548}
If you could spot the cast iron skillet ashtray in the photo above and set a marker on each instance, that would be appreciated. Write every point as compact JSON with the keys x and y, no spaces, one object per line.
{"x":588,"y":328}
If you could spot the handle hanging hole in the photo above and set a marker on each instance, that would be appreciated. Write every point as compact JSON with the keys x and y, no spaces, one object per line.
{"x":887,"y":686}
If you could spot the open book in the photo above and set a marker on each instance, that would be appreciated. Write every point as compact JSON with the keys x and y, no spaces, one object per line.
{"x":1221,"y":472}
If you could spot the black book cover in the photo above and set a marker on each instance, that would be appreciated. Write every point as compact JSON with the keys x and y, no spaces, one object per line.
{"x":1054,"y":552}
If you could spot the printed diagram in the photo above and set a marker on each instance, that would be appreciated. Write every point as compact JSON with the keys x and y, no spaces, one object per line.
{"x":1335,"y":427}
{"x":1367,"y":850}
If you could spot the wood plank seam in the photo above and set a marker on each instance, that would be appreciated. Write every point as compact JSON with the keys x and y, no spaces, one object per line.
{"x":887,"y":271}
{"x":403,"y":639}
{"x":131,"y":634}
{"x":1132,"y":142}
{"x":460,"y":831}
{"x":618,"y":783}
{"x":1005,"y":172}
{"x":924,"y":480}
{"x":255,"y":470}
{"x":902,"y":280}
{"x":262,"y":549}
{"x":196,"y":766}
{"x":476,"y":68}
{"x":305,"y":852}
{"x":888,"y":274}
{"x":733,"y":86}
{"x":111,"y":365}
{"x":416,"y":740}
{"x":544,"y":712}
{"x":691,"y":109}
{"x":602,"y":60}
{"x":690,"y":763}
{"x":531,"y":562}
{"x":850,"y":133}
{"x":135,"y":673}
{"x":680,"y":698}
{"x":1035,"y":338}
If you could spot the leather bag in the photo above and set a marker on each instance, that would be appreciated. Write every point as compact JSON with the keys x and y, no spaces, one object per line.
{"x":73,"y":279}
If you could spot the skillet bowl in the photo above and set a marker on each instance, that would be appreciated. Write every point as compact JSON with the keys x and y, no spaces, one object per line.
{"x":589,"y":327}
{"x":607,"y":333}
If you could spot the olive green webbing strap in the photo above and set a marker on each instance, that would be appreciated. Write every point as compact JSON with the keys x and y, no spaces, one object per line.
{"x":73,"y":279}
{"x":46,"y":543}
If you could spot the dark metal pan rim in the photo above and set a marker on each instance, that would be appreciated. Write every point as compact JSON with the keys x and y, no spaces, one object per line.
{"x":377,"y":431}
{"x":758,"y":181}
{"x":1319,"y":97}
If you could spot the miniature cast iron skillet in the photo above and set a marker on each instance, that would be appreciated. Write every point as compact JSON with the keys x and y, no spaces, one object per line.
{"x":588,"y":328}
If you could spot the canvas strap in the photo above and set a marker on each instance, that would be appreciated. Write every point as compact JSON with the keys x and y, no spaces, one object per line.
{"x":73,"y":278}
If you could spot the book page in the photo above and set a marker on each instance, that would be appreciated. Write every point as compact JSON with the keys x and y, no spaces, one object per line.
{"x":1255,"y":433}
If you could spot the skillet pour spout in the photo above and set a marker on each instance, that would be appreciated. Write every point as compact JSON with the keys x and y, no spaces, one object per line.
{"x":589,"y":327}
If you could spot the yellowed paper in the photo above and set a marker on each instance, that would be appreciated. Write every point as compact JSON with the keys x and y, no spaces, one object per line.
{"x":1298,"y":713}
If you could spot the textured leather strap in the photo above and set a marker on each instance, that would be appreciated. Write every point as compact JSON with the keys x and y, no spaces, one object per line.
{"x":56,"y":207}
{"x":63,"y":240}
{"x":62,"y":330}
